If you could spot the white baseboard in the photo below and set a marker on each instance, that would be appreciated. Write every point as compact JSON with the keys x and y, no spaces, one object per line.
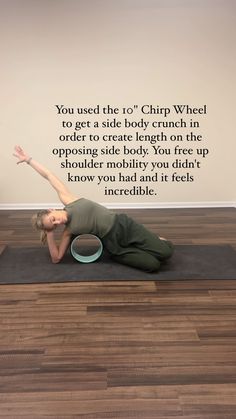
{"x":156,"y":205}
{"x":135,"y":205}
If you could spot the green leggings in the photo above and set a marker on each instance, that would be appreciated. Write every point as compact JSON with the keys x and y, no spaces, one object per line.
{"x":130,"y":243}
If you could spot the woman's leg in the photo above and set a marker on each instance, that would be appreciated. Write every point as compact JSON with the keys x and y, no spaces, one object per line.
{"x":142,"y":238}
{"x":130,"y":243}
{"x":138,"y":259}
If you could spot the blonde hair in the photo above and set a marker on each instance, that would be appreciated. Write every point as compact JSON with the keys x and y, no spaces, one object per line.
{"x":37,"y":223}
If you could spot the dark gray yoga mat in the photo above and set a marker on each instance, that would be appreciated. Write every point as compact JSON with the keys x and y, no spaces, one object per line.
{"x":33,"y":265}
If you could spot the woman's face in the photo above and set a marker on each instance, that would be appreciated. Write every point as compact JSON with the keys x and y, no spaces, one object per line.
{"x":53,"y":219}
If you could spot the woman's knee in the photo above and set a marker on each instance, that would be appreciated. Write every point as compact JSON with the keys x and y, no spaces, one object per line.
{"x":152,"y":265}
{"x":147,"y":263}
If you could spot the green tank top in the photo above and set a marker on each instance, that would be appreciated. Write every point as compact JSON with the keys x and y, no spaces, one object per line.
{"x":88,"y":217}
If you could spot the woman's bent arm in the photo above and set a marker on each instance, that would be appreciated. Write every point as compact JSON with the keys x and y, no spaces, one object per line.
{"x":56,"y":252}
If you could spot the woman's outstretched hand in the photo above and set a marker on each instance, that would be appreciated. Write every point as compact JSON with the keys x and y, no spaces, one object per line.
{"x":20,"y":154}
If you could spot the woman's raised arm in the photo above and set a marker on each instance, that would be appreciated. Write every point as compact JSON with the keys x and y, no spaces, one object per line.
{"x":64,"y":194}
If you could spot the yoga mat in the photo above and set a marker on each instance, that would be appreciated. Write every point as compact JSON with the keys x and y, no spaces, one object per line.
{"x":33,"y":265}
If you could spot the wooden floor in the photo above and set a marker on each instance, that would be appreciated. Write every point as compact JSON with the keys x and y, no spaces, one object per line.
{"x":121,"y":349}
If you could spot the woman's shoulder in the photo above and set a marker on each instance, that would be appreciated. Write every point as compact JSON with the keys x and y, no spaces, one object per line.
{"x":73,"y":202}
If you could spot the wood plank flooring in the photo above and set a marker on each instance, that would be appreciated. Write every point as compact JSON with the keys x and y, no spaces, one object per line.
{"x":121,"y":349}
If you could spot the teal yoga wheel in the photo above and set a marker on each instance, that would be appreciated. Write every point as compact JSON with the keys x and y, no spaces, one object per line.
{"x":86,"y":248}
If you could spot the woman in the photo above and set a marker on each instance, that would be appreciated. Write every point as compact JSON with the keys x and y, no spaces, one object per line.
{"x":127,"y":241}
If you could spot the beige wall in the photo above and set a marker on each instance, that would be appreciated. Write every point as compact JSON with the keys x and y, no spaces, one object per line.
{"x":81,"y":53}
